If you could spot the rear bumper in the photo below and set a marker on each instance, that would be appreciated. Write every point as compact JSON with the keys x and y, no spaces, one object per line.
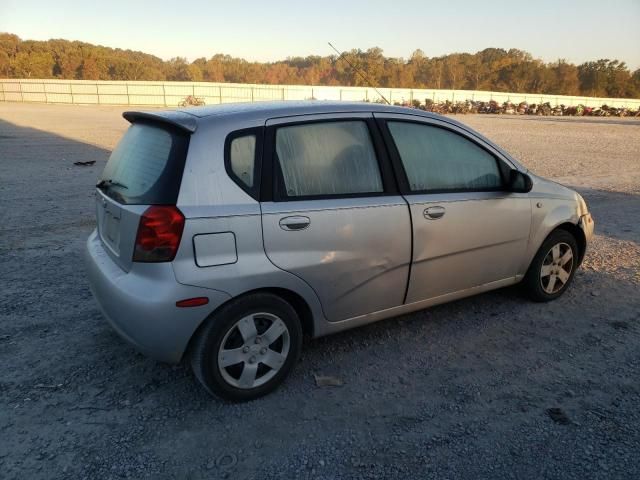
{"x":141,"y":304}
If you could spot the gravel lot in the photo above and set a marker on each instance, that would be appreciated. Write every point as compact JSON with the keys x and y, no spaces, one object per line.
{"x":457,"y":391}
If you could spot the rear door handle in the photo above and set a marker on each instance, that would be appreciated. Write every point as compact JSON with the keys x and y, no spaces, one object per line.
{"x":434,"y":213}
{"x":294,"y":223}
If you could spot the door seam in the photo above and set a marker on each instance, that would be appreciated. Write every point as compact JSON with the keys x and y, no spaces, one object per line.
{"x":411,"y":231}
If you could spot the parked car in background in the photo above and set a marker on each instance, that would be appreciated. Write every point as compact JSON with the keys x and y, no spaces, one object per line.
{"x":225,"y":233}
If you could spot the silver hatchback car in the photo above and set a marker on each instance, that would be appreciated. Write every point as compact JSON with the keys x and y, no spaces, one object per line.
{"x":227,"y":233}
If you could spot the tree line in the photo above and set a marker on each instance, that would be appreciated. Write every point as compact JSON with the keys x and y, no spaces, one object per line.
{"x":494,"y":69}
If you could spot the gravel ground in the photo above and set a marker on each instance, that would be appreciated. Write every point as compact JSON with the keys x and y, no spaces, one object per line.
{"x":458,"y":391}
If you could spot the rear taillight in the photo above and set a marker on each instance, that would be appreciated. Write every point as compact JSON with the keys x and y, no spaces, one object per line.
{"x":159,"y":234}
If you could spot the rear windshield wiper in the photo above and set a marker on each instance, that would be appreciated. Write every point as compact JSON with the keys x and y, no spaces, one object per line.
{"x":108,"y":183}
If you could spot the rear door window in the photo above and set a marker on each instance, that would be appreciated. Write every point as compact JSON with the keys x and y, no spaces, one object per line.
{"x":146,"y":166}
{"x":327,"y":159}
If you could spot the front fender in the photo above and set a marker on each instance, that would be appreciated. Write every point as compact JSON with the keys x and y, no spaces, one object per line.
{"x":547,"y":215}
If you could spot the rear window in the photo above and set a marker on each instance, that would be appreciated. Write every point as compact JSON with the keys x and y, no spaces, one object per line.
{"x":146,"y":166}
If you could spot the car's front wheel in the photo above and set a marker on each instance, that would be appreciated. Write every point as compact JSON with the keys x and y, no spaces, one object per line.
{"x":553,"y":267}
{"x":246,"y":349}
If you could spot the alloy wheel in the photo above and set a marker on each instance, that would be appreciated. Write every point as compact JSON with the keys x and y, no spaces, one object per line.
{"x":556,"y":268}
{"x":253,"y":350}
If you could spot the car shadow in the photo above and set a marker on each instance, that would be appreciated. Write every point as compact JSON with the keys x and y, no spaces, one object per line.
{"x":42,"y":191}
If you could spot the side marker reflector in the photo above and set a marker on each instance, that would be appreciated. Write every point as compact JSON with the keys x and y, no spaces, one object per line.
{"x":192,"y":302}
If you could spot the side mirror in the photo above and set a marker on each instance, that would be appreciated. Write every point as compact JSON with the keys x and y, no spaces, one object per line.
{"x":519,"y":182}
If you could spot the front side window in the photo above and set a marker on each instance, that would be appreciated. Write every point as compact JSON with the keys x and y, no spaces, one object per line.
{"x":436,"y":159}
{"x":327,"y":159}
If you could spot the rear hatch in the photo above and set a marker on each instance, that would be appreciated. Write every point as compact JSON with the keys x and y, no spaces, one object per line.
{"x":144,"y":169}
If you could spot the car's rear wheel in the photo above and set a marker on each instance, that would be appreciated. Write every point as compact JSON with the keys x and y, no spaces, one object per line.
{"x":553,"y":267}
{"x":247,"y":348}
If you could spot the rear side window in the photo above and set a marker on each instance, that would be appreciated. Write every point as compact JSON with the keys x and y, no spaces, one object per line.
{"x":146,"y":166}
{"x":327,"y":159}
{"x":242,"y":157}
{"x":436,"y":159}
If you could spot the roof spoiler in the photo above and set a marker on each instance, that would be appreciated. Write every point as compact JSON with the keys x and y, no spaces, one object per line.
{"x":181,"y":120}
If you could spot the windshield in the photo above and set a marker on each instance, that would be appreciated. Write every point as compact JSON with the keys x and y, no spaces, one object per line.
{"x":146,"y":166}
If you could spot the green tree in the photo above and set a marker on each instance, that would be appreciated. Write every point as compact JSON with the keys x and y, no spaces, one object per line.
{"x":454,"y":72}
{"x":489,"y":69}
{"x":89,"y":69}
{"x":420,"y":64}
{"x":565,"y":81}
{"x":617,"y":79}
{"x":593,"y":78}
{"x":5,"y":64}
{"x":633,"y":90}
{"x":178,"y":69}
{"x":32,"y":65}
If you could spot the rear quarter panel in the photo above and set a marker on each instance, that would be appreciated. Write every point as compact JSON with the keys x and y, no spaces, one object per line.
{"x":205,"y":182}
{"x":251,"y":271}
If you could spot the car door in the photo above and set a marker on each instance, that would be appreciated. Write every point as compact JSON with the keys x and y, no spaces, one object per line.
{"x":468,"y":229}
{"x":331,"y":212}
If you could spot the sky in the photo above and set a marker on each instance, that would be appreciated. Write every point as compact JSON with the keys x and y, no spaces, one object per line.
{"x":271,"y":30}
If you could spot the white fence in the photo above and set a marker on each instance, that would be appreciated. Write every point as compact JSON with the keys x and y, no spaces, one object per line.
{"x":169,"y":94}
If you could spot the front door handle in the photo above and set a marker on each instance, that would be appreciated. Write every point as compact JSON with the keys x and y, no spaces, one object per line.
{"x":434,"y":213}
{"x":294,"y":223}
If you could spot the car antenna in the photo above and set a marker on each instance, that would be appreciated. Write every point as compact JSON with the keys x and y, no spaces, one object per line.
{"x":359,"y":72}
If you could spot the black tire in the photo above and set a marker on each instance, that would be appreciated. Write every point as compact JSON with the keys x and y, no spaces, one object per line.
{"x":204,"y":352}
{"x":533,"y":284}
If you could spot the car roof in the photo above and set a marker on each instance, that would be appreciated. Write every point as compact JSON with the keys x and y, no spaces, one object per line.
{"x":188,"y":118}
{"x":289,"y":108}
